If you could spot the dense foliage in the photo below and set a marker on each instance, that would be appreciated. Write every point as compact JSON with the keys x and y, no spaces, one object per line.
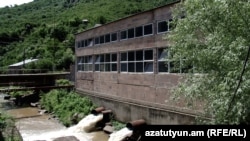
{"x":214,"y":38}
{"x":44,"y":29}
{"x":65,"y":104}
{"x":7,"y":128}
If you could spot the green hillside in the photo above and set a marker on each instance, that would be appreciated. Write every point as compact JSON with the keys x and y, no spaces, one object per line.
{"x":44,"y":29}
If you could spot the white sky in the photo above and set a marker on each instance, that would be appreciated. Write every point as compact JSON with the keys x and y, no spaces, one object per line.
{"x":4,"y":3}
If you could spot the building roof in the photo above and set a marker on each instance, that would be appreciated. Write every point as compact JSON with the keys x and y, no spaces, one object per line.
{"x":23,"y":62}
{"x":173,"y":2}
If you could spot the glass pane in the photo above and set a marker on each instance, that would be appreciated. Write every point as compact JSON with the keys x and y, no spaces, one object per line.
{"x":124,"y":67}
{"x":101,"y":67}
{"x":79,"y":67}
{"x":138,"y":31}
{"x":114,"y":57}
{"x":124,"y":56}
{"x":107,"y":67}
{"x":131,"y":56}
{"x":139,"y":67}
{"x":90,"y":42}
{"x":97,"y":41}
{"x":101,"y":39}
{"x":148,"y":29}
{"x":97,"y":58}
{"x":82,"y":43}
{"x":131,"y":67}
{"x":162,"y":26}
{"x":102,"y":58}
{"x":107,"y":57}
{"x":107,"y":38}
{"x":131,"y":33}
{"x":124,"y":34}
{"x":148,"y":55}
{"x":97,"y":67}
{"x":78,"y":44}
{"x":90,"y":60}
{"x":113,"y":36}
{"x":148,"y":66}
{"x":114,"y":67}
{"x":162,"y":54}
{"x":86,"y":43}
{"x":86,"y":59}
{"x":90,"y":67}
{"x":139,"y":55}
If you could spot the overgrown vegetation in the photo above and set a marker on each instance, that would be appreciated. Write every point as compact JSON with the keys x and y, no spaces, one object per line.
{"x":117,"y":125}
{"x":44,"y":29}
{"x":218,"y":46}
{"x":66,"y":104}
{"x":63,"y":82}
{"x":8,"y":132}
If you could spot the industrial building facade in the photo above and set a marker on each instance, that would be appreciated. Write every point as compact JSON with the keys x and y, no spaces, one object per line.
{"x":124,"y":66}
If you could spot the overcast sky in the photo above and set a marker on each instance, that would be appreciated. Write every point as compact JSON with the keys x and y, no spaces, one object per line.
{"x":4,"y":3}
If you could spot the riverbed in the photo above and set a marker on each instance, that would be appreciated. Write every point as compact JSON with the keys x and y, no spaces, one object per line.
{"x":35,"y":126}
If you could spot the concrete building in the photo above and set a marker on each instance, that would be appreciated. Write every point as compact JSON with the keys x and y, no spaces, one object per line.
{"x":122,"y":66}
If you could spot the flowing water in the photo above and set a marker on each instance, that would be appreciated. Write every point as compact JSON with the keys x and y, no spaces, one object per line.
{"x":120,"y":135}
{"x":35,"y":126}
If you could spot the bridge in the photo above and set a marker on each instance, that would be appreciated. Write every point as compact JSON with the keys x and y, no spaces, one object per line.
{"x":32,"y":81}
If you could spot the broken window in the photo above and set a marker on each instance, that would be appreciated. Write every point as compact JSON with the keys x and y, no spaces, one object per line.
{"x":85,"y":63}
{"x":114,"y":62}
{"x":163,"y":64}
{"x":97,"y":40}
{"x":90,"y":42}
{"x":148,"y":55}
{"x":102,"y":39}
{"x":82,"y":43}
{"x":114,"y":37}
{"x":162,"y":26}
{"x":134,"y":61}
{"x":123,"y":34}
{"x":97,"y":63}
{"x":131,"y":33}
{"x":138,"y":31}
{"x":106,"y":62}
{"x":107,"y":38}
{"x":148,"y":29}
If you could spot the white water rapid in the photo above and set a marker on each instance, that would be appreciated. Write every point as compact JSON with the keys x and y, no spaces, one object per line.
{"x":78,"y":131}
{"x":120,"y":135}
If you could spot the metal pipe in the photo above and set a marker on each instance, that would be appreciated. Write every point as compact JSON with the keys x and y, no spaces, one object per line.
{"x":106,"y":115}
{"x":97,"y":110}
{"x":135,"y":124}
{"x":106,"y":112}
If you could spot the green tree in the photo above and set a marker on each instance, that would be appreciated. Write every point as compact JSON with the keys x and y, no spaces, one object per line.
{"x":214,"y":37}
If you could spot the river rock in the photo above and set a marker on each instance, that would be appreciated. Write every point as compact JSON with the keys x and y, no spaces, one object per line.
{"x":6,"y":97}
{"x":108,"y":129}
{"x":34,"y":104}
{"x":68,"y":138}
{"x":42,"y":111}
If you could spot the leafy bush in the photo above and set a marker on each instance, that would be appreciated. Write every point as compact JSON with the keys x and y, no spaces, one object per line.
{"x":65,"y":104}
{"x":117,"y":125}
{"x":62,"y":82}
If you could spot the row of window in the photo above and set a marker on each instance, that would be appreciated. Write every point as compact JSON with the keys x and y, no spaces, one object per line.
{"x":144,"y":30}
{"x":141,"y":61}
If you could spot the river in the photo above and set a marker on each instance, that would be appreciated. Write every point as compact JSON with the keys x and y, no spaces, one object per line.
{"x":35,"y":126}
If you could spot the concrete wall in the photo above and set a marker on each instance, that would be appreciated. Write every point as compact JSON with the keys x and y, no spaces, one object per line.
{"x":126,"y":111}
{"x":135,"y":96}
